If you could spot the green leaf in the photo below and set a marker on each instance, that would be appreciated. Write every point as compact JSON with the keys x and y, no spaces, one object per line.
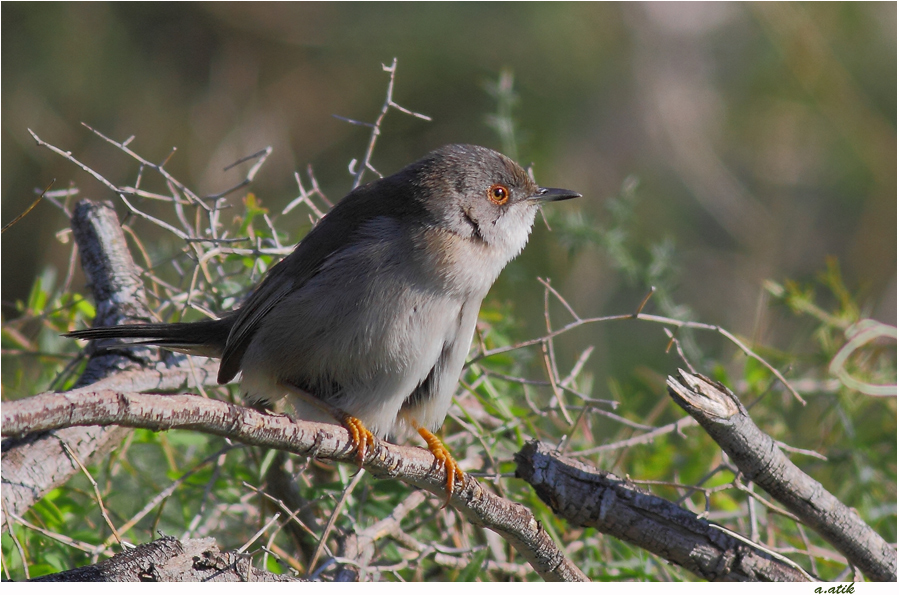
{"x":474,"y":568}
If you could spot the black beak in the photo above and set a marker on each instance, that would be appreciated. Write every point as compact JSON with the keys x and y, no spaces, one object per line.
{"x":553,"y":194}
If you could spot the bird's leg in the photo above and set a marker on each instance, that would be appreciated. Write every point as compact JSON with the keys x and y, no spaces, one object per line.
{"x":443,"y":456}
{"x":359,"y":434}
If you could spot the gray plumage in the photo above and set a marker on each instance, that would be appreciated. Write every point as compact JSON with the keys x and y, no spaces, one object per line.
{"x":375,"y":309}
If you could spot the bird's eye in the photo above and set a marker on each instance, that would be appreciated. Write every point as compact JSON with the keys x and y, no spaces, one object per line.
{"x":498,"y":194}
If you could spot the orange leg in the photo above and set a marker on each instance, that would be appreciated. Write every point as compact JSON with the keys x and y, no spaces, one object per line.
{"x":362,"y":438}
{"x":443,"y":456}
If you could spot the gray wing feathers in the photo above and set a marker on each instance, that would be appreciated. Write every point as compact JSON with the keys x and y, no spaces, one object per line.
{"x":248,"y":318}
{"x":332,"y":234}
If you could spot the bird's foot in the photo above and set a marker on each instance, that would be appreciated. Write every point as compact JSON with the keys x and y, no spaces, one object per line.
{"x":442,"y":454}
{"x":360,"y":435}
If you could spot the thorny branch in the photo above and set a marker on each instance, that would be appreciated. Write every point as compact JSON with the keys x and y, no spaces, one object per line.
{"x":376,"y":128}
{"x":638,"y":315}
{"x":415,"y":466}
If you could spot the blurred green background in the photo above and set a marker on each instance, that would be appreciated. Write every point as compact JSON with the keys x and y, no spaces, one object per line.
{"x":762,"y":137}
{"x":716,"y":145}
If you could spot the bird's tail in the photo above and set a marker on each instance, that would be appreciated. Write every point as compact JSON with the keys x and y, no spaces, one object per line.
{"x":206,"y":337}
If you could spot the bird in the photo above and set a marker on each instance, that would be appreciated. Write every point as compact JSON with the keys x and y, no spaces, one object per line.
{"x":371,"y":317}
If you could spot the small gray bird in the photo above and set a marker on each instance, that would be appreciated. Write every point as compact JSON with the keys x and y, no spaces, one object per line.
{"x":370,"y":318}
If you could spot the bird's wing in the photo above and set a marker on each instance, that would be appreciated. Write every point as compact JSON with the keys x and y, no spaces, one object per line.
{"x":271,"y":291}
{"x":332,"y":234}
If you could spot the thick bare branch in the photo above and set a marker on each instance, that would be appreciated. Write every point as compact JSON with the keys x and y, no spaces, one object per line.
{"x":720,"y":413}
{"x":588,"y":497}
{"x":415,"y":466}
{"x":171,"y":560}
{"x":35,"y":465}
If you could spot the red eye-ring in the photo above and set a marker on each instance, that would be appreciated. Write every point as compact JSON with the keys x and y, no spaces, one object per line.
{"x":498,"y":194}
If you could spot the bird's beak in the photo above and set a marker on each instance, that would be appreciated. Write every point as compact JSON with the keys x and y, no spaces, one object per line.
{"x":553,"y":194}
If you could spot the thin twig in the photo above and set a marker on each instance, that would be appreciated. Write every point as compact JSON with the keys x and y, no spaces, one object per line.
{"x":334,"y":514}
{"x":156,"y":500}
{"x":159,"y":168}
{"x":258,"y":533}
{"x":90,"y":478}
{"x":260,"y":157}
{"x":28,"y":210}
{"x":649,"y":318}
{"x":376,"y":126}
{"x":677,"y":427}
{"x":292,"y":515}
{"x":12,"y":533}
{"x":64,"y":539}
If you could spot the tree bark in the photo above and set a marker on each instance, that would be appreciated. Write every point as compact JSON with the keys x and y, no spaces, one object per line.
{"x":415,"y":466}
{"x":171,"y":560}
{"x":587,"y":497}
{"x":722,"y":415}
{"x":36,"y":464}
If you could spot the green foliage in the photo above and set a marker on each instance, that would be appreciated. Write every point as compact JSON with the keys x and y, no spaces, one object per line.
{"x":496,"y":414}
{"x":641,"y":266}
{"x":34,"y":354}
{"x":502,"y":122}
{"x":189,"y":484}
{"x":856,"y":430}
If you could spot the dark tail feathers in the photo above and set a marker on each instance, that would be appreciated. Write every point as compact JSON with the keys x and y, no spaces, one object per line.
{"x":206,"y":337}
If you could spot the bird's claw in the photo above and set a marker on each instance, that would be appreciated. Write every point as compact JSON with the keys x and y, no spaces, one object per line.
{"x":442,"y":454}
{"x":361,"y":437}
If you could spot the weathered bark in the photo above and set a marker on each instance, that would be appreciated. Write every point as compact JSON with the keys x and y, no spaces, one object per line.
{"x":722,"y":415}
{"x":171,"y":560}
{"x":36,"y":464}
{"x":415,"y":466}
{"x":587,"y":497}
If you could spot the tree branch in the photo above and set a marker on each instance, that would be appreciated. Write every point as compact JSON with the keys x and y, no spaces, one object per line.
{"x":35,"y":465}
{"x":588,"y":497}
{"x":415,"y":466}
{"x":720,"y":413}
{"x":171,"y":560}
